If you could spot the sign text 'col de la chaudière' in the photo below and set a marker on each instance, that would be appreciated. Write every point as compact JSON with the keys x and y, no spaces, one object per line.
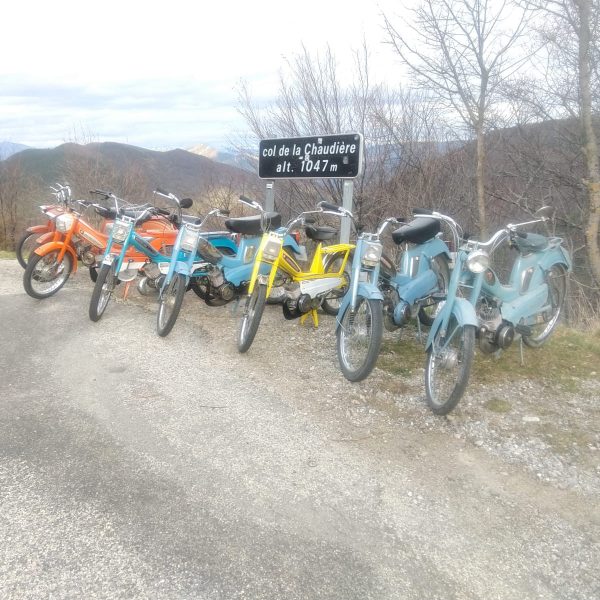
{"x":316,"y":156}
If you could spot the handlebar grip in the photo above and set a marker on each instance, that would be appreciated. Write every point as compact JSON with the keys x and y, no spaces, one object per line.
{"x":329,"y":206}
{"x":100,"y":193}
{"x":162,"y":211}
{"x":521,"y":234}
{"x":309,"y":220}
{"x":225,"y":213}
{"x":422,"y":211}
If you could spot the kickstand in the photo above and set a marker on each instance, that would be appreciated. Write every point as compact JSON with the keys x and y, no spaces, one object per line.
{"x":521,"y":351}
{"x":314,"y":315}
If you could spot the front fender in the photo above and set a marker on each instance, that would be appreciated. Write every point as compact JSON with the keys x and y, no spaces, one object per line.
{"x":463,"y":311}
{"x":50,"y":246}
{"x":364,"y":290}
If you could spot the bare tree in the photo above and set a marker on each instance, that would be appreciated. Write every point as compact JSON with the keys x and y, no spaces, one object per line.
{"x":462,"y":50}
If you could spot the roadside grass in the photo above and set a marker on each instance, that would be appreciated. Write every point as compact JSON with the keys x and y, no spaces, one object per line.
{"x":568,"y":357}
{"x":5,"y":255}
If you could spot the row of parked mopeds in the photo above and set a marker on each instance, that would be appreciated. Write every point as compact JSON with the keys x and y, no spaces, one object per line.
{"x":447,"y":285}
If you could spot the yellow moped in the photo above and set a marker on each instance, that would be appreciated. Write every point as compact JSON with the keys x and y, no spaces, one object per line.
{"x":322,"y":285}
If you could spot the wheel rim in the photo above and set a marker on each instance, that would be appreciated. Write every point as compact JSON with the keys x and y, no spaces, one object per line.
{"x":556,"y":291}
{"x":28,"y":246}
{"x":48,"y":274}
{"x":248,"y":315}
{"x":108,"y":287}
{"x":356,"y":335}
{"x":167,"y":302}
{"x":446,"y":362}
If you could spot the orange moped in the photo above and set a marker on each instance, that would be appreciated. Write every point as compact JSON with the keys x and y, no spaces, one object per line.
{"x":51,"y":264}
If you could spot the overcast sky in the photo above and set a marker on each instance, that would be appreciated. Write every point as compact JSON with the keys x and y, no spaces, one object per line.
{"x":162,"y":74}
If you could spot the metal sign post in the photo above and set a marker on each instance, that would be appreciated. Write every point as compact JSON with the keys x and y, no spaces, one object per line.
{"x":338,"y":156}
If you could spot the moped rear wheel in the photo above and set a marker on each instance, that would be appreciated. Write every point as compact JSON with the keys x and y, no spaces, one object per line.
{"x":557,"y":291}
{"x":359,"y":338}
{"x":439,"y":265}
{"x":169,"y":304}
{"x":44,"y":275}
{"x":253,"y":311}
{"x":448,"y":366}
{"x":103,"y":290}
{"x":331,"y":303}
{"x":25,"y":246}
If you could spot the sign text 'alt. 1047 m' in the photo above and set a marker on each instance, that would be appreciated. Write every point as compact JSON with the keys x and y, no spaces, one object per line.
{"x":306,"y":157}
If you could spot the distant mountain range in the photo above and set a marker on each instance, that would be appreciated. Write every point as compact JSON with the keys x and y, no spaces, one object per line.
{"x":128,"y":171}
{"x":9,"y":148}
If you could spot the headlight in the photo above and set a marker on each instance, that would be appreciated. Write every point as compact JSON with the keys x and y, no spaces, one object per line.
{"x":189,"y":240}
{"x":371,"y":254}
{"x":120,"y":231}
{"x":272,"y":247}
{"x":64,"y":223}
{"x":478,"y":261}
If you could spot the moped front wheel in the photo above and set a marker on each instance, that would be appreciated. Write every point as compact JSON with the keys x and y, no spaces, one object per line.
{"x":253,"y":311}
{"x":331,"y":303}
{"x":359,"y":338}
{"x":439,"y":266}
{"x":557,"y":291}
{"x":103,"y":290}
{"x":169,"y":304}
{"x":45,"y":275}
{"x":448,"y":366}
{"x":25,"y":246}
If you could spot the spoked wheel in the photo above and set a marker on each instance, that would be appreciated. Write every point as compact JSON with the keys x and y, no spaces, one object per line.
{"x":103,"y":290}
{"x":359,"y":339}
{"x":169,"y":304}
{"x":557,"y":290}
{"x":44,"y":275}
{"x":331,"y":302}
{"x":25,"y":246}
{"x":439,"y":265}
{"x":255,"y":305}
{"x":448,"y":366}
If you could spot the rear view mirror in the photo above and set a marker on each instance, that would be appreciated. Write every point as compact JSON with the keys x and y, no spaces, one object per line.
{"x":186,"y":202}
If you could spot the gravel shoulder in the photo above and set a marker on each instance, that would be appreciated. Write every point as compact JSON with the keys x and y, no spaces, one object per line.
{"x":138,"y":467}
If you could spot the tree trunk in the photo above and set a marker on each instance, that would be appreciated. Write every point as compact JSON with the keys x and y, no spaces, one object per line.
{"x":479,"y":175}
{"x":590,"y":145}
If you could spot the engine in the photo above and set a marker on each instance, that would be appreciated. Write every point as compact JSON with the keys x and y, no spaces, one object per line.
{"x":494,"y":332}
{"x":295,"y":304}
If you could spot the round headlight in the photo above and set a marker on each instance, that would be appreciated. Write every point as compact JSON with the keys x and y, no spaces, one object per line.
{"x":371,"y":254}
{"x":64,"y":223}
{"x":478,"y":261}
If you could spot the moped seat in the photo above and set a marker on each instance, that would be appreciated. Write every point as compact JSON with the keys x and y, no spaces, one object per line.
{"x":418,"y":231}
{"x":252,"y":225}
{"x":530,"y":242}
{"x":320,"y":233}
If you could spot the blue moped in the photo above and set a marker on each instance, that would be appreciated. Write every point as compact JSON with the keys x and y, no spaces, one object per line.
{"x":479,"y":306}
{"x":376,"y":287}
{"x":154,"y":254}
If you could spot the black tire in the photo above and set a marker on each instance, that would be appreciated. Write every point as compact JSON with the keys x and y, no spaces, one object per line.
{"x":440,"y":266}
{"x":25,"y":246}
{"x":93,"y":273}
{"x":253,"y":311}
{"x":200,"y":287}
{"x":44,"y":276}
{"x":359,"y":339}
{"x":169,"y":304}
{"x":103,"y":290}
{"x":447,"y":370}
{"x":557,"y":291}
{"x":331,"y":303}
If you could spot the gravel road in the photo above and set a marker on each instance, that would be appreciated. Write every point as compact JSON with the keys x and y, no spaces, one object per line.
{"x":133,"y":466}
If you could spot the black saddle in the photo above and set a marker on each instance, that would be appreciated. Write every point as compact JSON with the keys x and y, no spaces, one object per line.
{"x":252,"y":225}
{"x":418,"y":231}
{"x":530,"y":242}
{"x":320,"y":233}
